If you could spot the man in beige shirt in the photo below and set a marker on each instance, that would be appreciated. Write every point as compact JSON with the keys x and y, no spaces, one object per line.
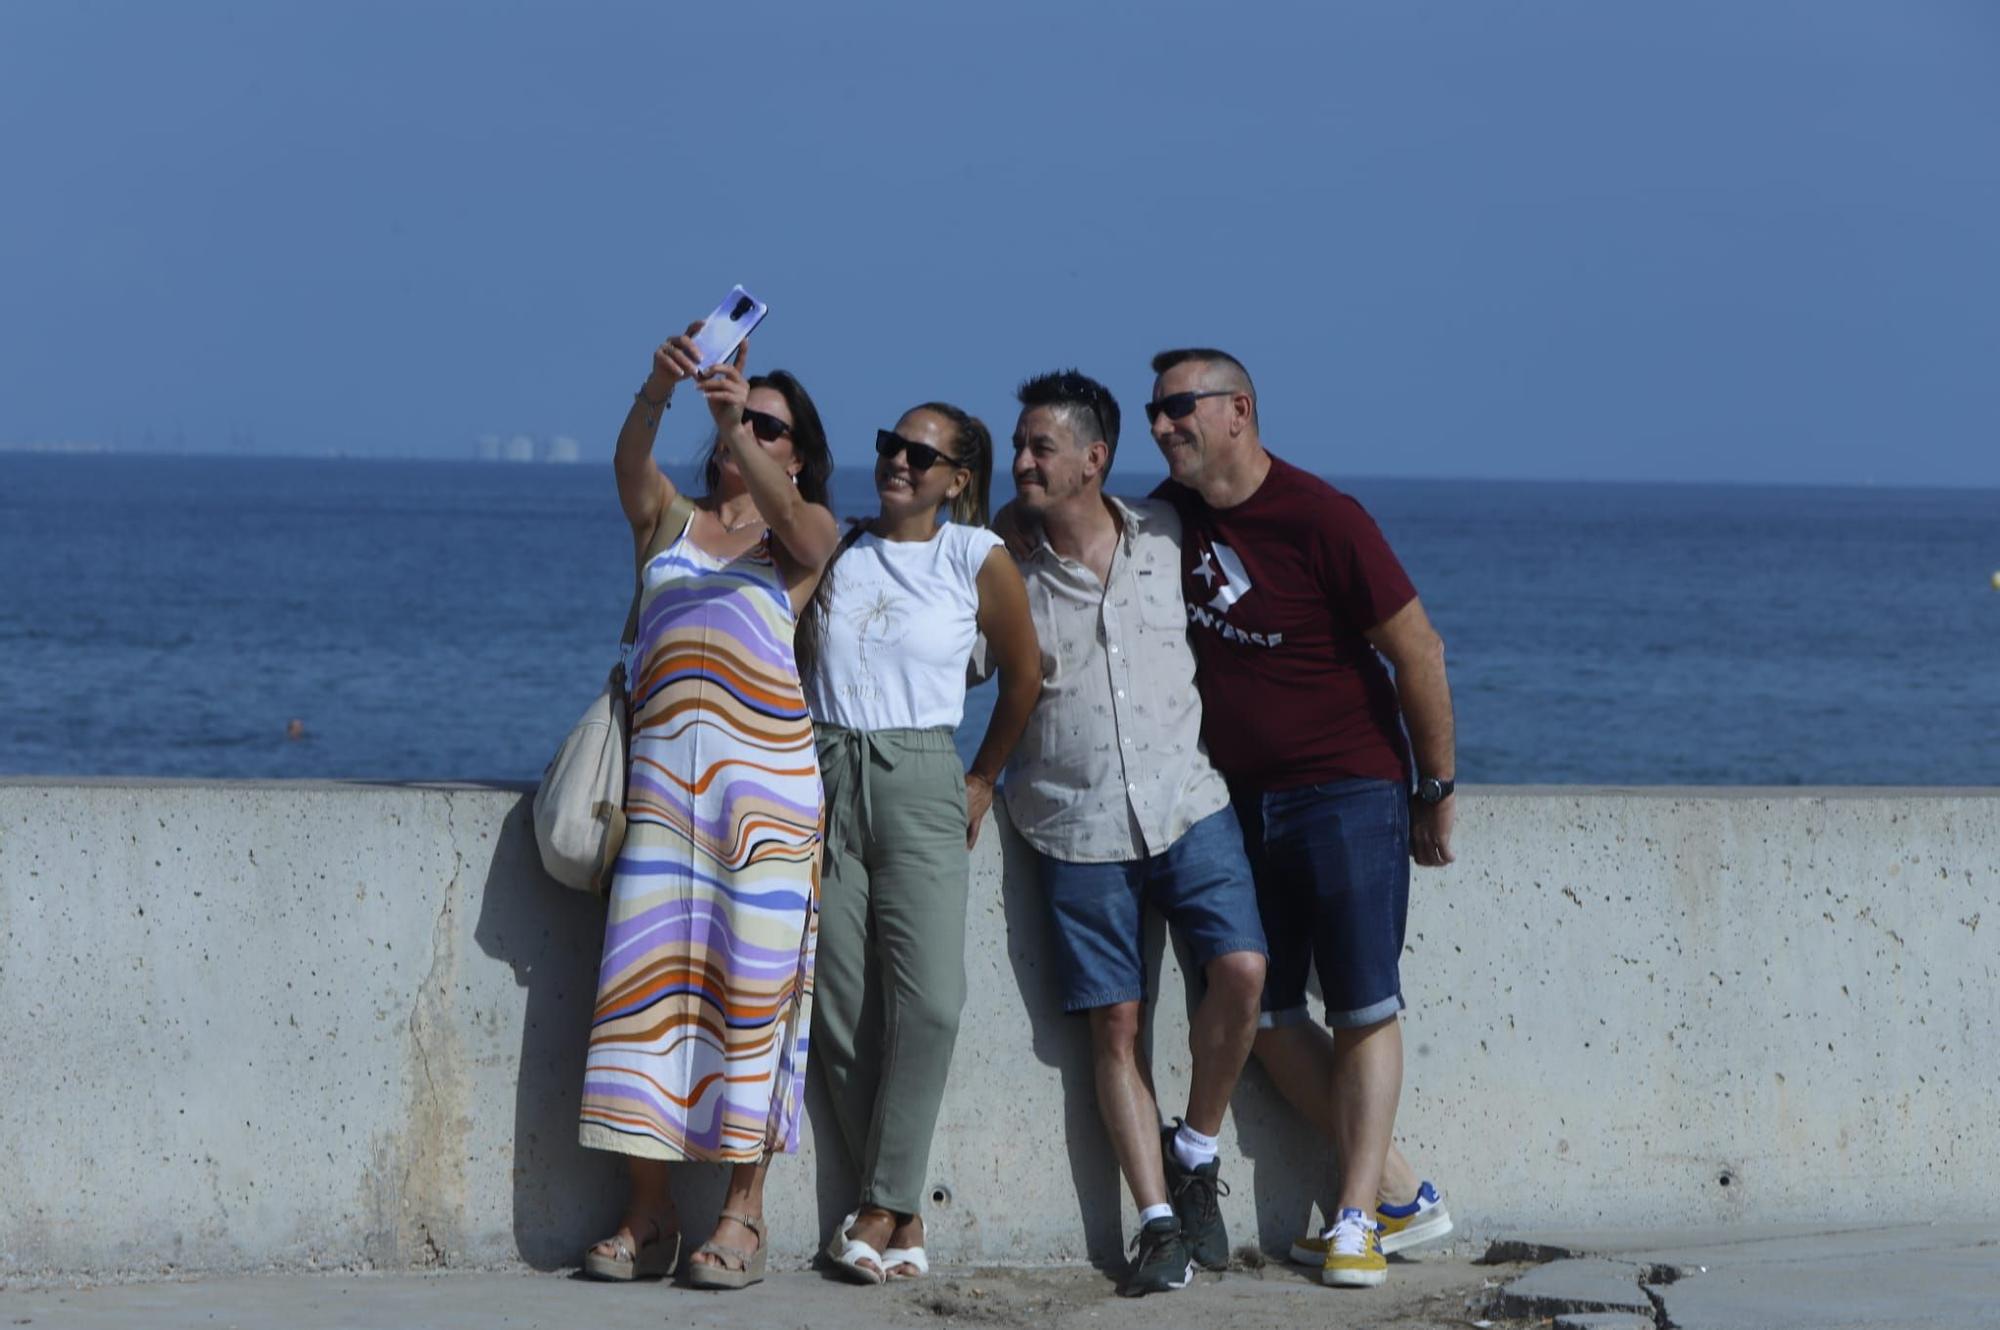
{"x":1111,"y":786}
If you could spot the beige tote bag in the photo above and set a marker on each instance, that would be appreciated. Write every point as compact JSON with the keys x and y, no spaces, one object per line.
{"x":580,"y":804}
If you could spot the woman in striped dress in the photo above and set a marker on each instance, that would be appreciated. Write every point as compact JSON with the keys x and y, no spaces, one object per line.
{"x":698,"y":1042}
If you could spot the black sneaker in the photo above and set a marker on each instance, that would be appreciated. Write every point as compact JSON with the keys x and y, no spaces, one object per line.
{"x":1197,"y":1204}
{"x":1161,"y":1262}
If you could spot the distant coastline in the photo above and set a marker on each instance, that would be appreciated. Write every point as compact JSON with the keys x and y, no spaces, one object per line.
{"x":558,"y":449}
{"x":1127,"y":479}
{"x":57,"y":446}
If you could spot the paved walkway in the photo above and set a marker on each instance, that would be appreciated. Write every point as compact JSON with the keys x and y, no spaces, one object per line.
{"x":1935,"y":1275}
{"x":1420,"y":1295}
{"x":1771,"y":1278}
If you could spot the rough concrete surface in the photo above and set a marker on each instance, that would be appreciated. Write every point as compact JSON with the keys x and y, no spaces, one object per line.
{"x":1792,"y":1277}
{"x":1605,"y":1321}
{"x":322,"y":1025}
{"x":1798,"y":1278}
{"x":1586,"y":1284}
{"x":1419,"y":1296}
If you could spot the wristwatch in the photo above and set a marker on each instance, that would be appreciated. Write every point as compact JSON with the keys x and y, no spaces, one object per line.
{"x":1431,"y":790}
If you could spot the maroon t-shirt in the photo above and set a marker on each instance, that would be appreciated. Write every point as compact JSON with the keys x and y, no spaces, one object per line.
{"x":1279,"y":591}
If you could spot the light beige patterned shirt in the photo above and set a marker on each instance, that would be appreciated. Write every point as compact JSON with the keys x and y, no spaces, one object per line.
{"x":1112,"y":765}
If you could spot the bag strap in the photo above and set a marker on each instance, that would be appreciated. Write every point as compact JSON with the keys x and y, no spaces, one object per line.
{"x":674,"y":520}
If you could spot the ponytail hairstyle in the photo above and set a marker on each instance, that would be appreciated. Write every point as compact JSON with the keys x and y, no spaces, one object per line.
{"x":972,"y":445}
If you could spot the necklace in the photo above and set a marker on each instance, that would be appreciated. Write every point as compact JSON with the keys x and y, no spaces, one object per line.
{"x":754,"y":519}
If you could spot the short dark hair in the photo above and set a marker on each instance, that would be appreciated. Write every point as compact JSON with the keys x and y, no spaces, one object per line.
{"x":1092,"y":410}
{"x":1206,"y":355}
{"x":808,"y":440}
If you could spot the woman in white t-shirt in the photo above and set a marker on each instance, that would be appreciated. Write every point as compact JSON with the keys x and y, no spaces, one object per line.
{"x":882,"y":650}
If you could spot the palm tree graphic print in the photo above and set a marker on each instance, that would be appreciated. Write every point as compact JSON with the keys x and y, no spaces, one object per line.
{"x":880,"y":623}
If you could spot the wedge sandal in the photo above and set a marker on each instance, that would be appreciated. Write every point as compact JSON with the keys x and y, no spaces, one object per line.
{"x":652,"y":1260}
{"x":713,"y":1274}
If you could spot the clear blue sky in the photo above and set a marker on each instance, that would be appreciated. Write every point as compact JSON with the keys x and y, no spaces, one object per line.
{"x":1701,"y":241}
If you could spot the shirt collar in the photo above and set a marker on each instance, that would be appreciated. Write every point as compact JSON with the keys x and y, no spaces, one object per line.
{"x":1130,"y":519}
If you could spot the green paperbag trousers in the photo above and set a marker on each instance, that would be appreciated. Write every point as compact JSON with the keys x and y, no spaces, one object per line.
{"x":889,"y":981}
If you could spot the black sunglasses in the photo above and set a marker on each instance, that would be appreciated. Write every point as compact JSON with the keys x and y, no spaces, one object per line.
{"x":765,"y":425}
{"x":1179,"y":406}
{"x":922,"y":456}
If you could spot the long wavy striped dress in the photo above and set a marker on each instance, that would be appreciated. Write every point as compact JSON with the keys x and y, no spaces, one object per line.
{"x":704,"y":996}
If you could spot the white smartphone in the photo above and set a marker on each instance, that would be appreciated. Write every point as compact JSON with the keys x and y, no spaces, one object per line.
{"x":724,"y":330}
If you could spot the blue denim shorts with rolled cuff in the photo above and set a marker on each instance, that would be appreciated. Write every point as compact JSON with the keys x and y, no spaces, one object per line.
{"x":1332,"y":863}
{"x":1202,"y":885}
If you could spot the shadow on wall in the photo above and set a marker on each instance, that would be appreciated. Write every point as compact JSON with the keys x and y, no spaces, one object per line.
{"x":1288,"y":1166}
{"x":565,"y":1196}
{"x":1061,"y":1041}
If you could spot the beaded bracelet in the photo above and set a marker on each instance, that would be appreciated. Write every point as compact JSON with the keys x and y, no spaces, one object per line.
{"x":664,"y":404}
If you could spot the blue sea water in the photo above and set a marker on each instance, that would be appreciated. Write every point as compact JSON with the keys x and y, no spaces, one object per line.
{"x":167,"y":616}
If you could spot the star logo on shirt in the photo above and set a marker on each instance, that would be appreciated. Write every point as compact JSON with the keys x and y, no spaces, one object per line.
{"x":1218,"y":563}
{"x":1222,"y":570}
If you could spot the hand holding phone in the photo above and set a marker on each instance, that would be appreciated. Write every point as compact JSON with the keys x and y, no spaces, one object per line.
{"x":726,"y":327}
{"x":727,"y":392}
{"x":675,"y":359}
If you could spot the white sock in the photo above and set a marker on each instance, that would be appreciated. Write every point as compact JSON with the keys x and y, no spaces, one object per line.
{"x":1152,"y":1212}
{"x":1192,"y":1148}
{"x":1364,"y":1220}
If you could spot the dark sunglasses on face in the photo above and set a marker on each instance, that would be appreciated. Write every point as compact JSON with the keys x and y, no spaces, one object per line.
{"x":922,"y":456}
{"x":1179,"y":406}
{"x":765,"y":425}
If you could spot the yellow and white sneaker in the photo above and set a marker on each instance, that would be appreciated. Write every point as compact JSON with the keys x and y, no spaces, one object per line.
{"x":1353,"y":1253}
{"x":1422,"y":1220}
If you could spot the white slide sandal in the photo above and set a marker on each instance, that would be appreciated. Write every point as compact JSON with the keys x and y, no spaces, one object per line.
{"x":848,"y":1254}
{"x":910,"y":1256}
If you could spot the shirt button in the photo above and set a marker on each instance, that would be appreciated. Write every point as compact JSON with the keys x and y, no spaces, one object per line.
{"x":1121,"y":692}
{"x":1114,"y":651}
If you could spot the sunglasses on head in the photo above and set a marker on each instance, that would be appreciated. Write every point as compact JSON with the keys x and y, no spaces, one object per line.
{"x":765,"y":425}
{"x":1179,"y":406}
{"x":922,"y":456}
{"x":1090,"y":394}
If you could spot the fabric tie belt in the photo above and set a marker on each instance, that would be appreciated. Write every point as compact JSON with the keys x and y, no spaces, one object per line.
{"x":861,"y":751}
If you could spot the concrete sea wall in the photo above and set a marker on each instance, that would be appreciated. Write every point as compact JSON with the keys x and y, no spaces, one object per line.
{"x":339,"y":1024}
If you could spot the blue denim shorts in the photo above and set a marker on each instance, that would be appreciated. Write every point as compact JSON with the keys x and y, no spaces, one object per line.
{"x":1332,"y":864}
{"x":1201,"y":884}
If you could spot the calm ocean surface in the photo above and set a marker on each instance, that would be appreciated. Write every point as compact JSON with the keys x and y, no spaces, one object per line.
{"x":437,"y":620}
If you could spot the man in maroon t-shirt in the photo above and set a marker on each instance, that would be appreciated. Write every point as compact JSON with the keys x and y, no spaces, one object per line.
{"x":1294,"y":601}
